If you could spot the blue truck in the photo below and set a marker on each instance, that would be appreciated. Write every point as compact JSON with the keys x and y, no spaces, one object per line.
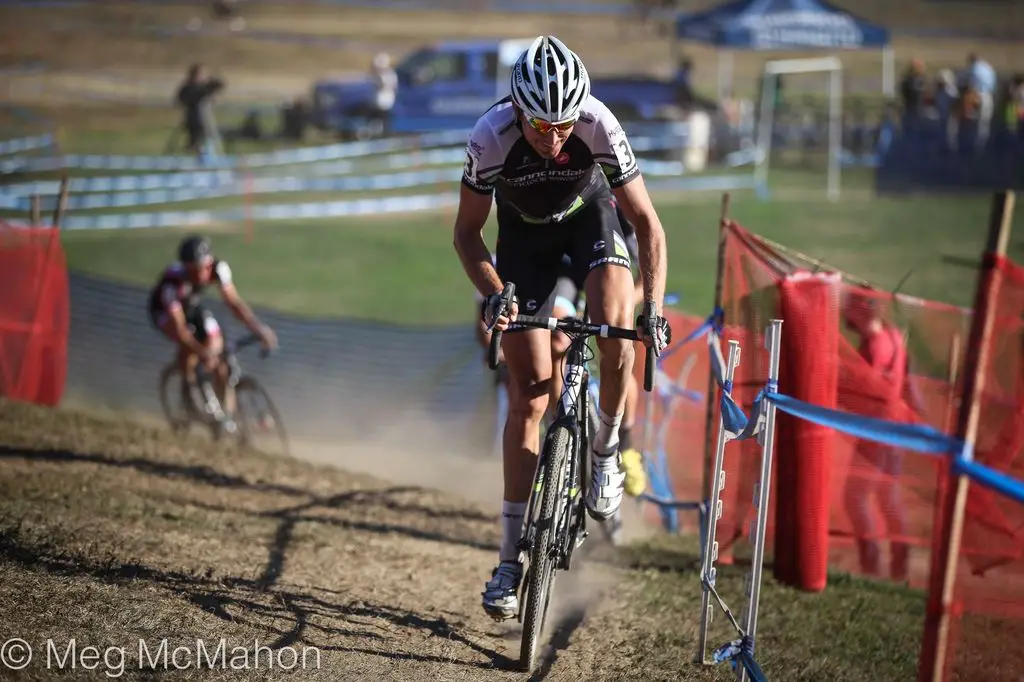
{"x":448,"y":85}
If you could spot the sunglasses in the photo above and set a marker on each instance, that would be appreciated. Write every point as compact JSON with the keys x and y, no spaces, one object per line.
{"x":544,"y":127}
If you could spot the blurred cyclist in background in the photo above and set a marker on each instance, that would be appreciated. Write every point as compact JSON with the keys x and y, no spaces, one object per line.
{"x":175,"y":310}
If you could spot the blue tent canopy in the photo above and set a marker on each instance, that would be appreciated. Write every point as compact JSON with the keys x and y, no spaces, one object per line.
{"x":781,"y":25}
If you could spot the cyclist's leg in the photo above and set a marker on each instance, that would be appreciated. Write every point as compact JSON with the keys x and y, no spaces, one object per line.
{"x":524,"y":257}
{"x":632,"y":460}
{"x":186,"y":359}
{"x":600,"y":247}
{"x":209,"y":334}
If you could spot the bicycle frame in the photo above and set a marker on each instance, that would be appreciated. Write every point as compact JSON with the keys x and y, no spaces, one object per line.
{"x":204,"y":378}
{"x":572,"y":412}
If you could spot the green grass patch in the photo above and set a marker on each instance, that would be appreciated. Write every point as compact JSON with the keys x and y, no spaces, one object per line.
{"x":856,"y":630}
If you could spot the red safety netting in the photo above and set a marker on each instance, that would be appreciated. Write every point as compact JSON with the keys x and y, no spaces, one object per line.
{"x":988,"y":594}
{"x":681,"y":436}
{"x":842,"y":346}
{"x":34,"y":314}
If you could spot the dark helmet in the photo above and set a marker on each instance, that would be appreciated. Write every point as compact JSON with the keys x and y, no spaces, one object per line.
{"x":194,"y":249}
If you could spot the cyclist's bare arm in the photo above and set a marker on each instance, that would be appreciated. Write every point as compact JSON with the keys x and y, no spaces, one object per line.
{"x":650,"y":236}
{"x":474,"y":208}
{"x":240,"y":309}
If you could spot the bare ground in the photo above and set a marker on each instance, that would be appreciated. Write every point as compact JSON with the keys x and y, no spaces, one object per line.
{"x":111,"y":533}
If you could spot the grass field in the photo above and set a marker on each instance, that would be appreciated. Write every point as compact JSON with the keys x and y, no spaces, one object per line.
{"x":404,"y":269}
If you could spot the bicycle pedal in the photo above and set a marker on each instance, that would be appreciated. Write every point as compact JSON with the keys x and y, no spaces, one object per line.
{"x":580,"y":537}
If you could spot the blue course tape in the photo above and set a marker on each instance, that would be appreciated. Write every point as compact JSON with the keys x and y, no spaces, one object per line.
{"x":125,"y":183}
{"x":273,"y":185}
{"x":991,"y":478}
{"x":25,"y":144}
{"x":329,"y":209}
{"x":257,"y":186}
{"x":205,"y":179}
{"x":281,"y":157}
{"x":917,"y":437}
{"x":221,"y":184}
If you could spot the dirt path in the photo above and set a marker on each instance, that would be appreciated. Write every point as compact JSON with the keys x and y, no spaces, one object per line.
{"x":145,"y":538}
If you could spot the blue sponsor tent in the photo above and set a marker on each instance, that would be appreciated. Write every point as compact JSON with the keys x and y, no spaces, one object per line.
{"x":785,"y":25}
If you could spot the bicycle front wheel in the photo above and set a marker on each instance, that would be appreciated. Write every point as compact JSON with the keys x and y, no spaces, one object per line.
{"x":543,"y":559}
{"x":259,"y":423}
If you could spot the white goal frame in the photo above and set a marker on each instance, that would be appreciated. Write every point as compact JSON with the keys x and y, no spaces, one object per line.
{"x":834,"y":67}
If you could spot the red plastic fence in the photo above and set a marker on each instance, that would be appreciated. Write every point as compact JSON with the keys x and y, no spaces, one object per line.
{"x":878,"y":503}
{"x":34,"y":315}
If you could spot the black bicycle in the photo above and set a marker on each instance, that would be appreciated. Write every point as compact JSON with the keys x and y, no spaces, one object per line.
{"x":555,"y":522}
{"x":257,"y":422}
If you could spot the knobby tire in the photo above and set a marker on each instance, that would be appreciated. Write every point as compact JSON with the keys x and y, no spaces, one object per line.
{"x":542,"y":562}
{"x":251,"y":385}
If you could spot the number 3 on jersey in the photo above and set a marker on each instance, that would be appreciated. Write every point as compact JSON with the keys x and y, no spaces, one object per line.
{"x":625,"y":156}
{"x":470,"y":166}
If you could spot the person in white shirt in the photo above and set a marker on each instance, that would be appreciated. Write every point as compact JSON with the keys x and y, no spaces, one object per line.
{"x":387,"y":83}
{"x":982,"y":80}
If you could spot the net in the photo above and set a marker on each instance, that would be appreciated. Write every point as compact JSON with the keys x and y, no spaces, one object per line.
{"x":988,"y":595}
{"x":673,"y":436}
{"x":33,"y":315}
{"x":864,"y":351}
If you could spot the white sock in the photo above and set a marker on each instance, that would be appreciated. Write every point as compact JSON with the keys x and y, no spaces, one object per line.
{"x":511,"y":529}
{"x":607,"y":437}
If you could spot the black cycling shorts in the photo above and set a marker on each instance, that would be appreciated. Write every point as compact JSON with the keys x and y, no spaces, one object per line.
{"x":530,"y":255}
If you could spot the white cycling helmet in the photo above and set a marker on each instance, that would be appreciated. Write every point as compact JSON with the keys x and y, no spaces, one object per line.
{"x":549,"y":81}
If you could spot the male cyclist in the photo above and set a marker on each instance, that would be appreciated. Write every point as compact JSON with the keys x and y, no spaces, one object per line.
{"x":175,"y":310}
{"x":552,"y":157}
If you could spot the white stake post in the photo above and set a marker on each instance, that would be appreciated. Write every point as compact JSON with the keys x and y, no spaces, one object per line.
{"x":767,"y":440}
{"x":714,"y":513}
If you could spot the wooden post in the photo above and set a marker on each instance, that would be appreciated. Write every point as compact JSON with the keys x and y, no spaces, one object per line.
{"x":35,"y":214}
{"x":938,"y":617}
{"x":62,"y":200}
{"x":723,"y":224}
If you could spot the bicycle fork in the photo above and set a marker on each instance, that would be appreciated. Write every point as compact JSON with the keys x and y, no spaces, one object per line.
{"x":572,"y":412}
{"x":570,"y":530}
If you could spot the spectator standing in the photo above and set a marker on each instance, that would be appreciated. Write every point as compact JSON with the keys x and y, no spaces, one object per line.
{"x":981,"y":82}
{"x":386,"y":80}
{"x":875,"y":469}
{"x":946,"y":100}
{"x":194,"y":96}
{"x":912,"y":91}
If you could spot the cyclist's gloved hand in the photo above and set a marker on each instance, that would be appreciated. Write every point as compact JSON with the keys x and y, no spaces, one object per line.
{"x":654,"y":329}
{"x":494,"y":316}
